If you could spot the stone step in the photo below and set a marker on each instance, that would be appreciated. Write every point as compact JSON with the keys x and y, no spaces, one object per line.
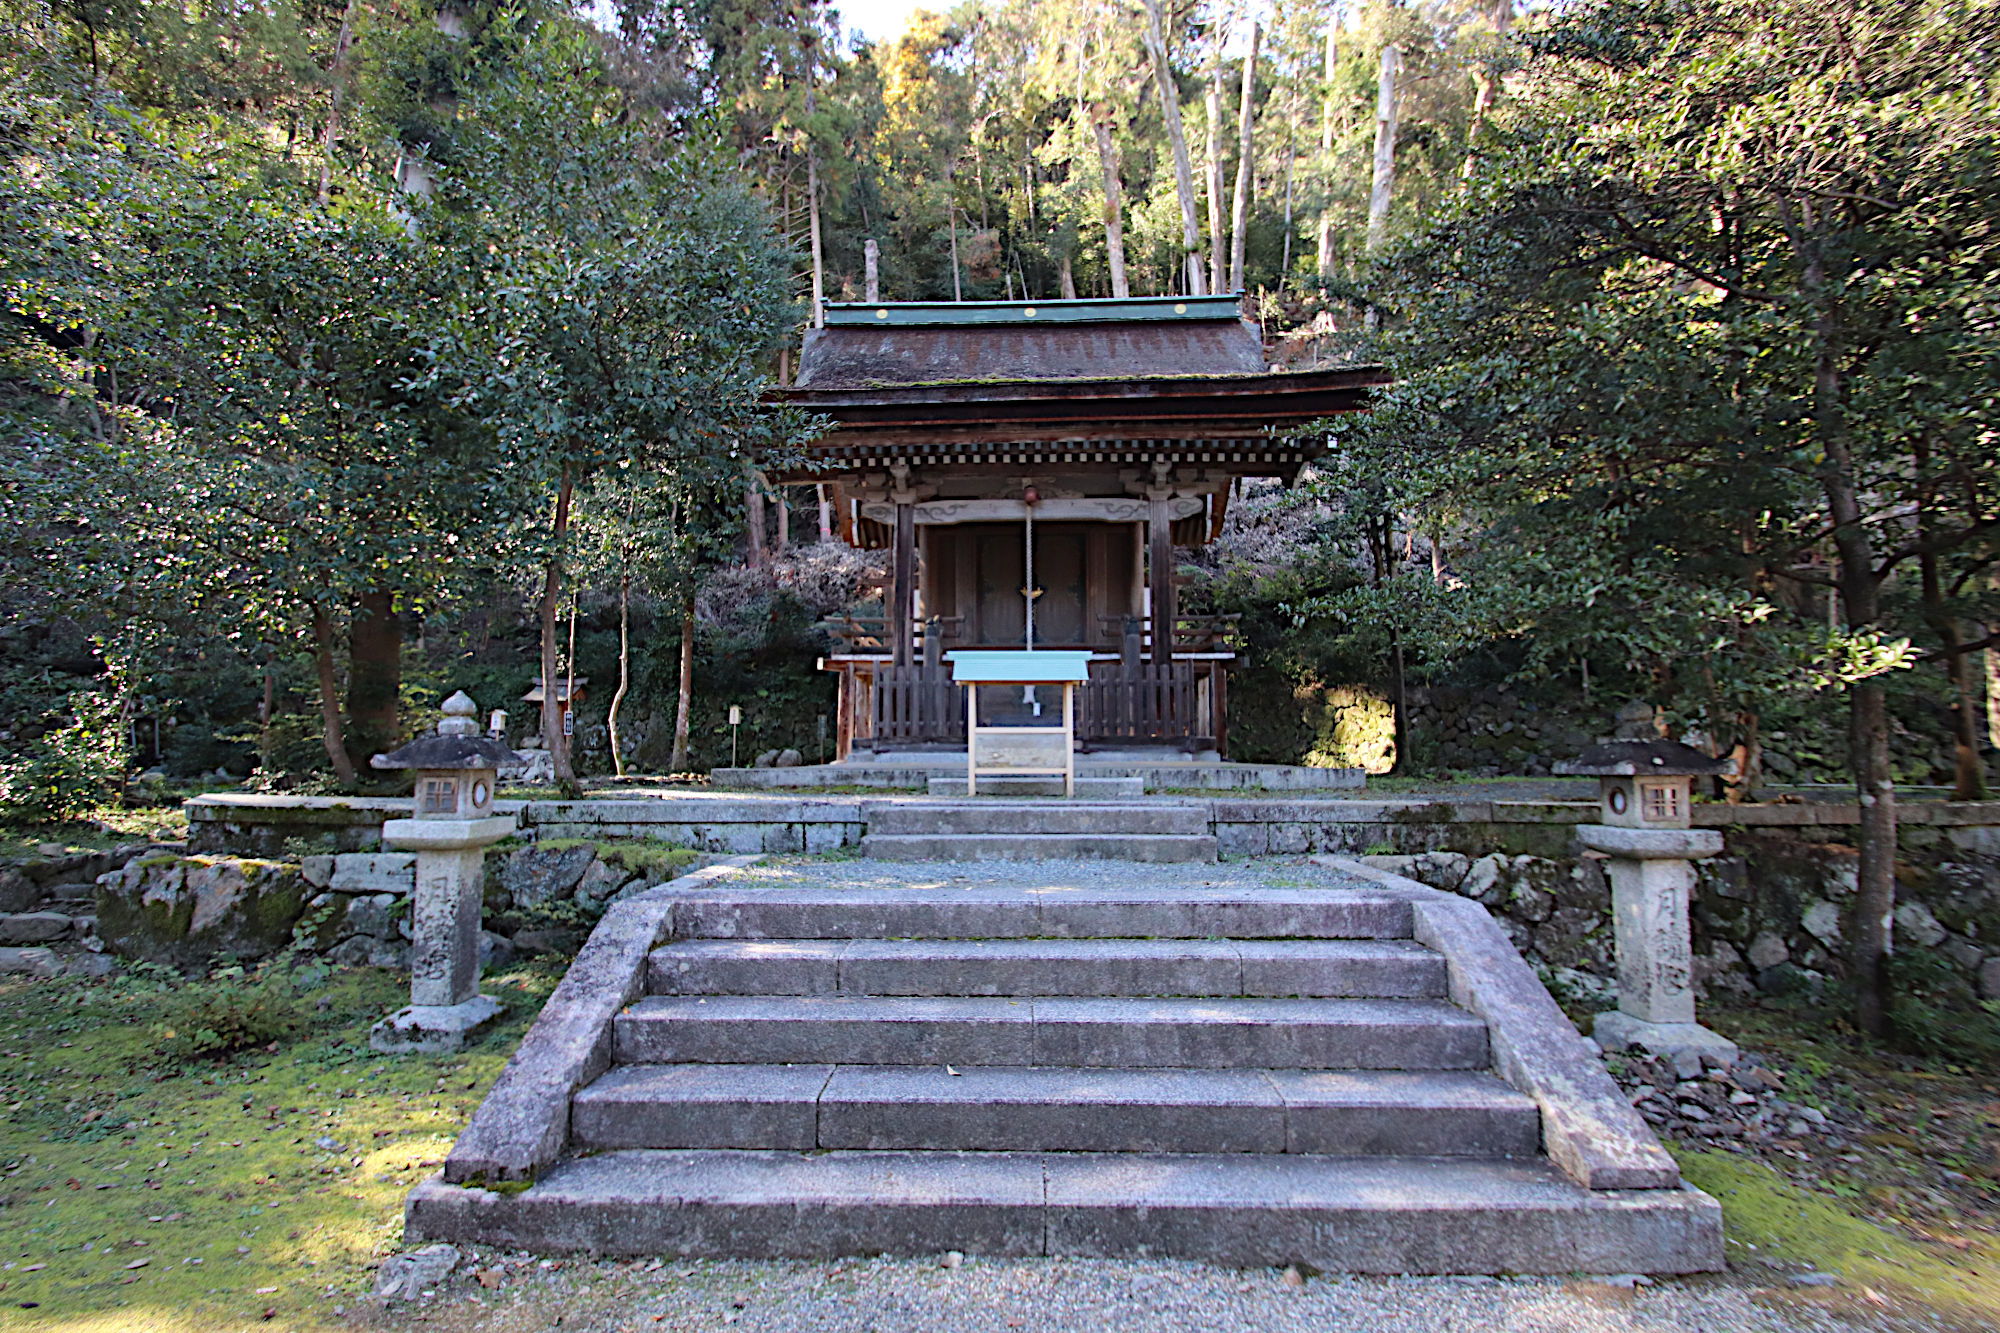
{"x":982,"y":911}
{"x":1032,"y":784}
{"x":993,"y":1109}
{"x":1158,"y":848}
{"x":1017,"y":967}
{"x":1010,"y":818}
{"x":1344,"y":1214}
{"x":1093,"y":1033}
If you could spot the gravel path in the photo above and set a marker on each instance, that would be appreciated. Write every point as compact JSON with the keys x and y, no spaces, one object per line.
{"x":1102,"y":1296}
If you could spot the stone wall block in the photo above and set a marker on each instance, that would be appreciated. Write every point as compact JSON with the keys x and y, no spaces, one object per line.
{"x":536,"y":875}
{"x":374,"y":872}
{"x":18,"y":893}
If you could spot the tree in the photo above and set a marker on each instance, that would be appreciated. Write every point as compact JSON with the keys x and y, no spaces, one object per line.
{"x":1714,"y":300}
{"x":620,"y":297}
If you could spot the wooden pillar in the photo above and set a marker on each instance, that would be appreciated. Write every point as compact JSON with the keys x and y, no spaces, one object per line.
{"x":902,"y":582}
{"x":1160,"y":570}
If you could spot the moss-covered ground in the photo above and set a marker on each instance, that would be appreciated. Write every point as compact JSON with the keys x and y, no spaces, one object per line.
{"x":255,"y":1190}
{"x":112,"y":826}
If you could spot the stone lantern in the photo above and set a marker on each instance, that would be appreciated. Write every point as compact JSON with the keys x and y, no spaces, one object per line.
{"x":1645,"y":800}
{"x":453,"y":823}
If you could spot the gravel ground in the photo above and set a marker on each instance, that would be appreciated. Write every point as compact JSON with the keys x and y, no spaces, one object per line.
{"x":1102,"y":1296}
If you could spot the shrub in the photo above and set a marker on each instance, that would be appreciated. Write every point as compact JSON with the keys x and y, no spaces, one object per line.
{"x":68,"y":771}
{"x":233,"y":1011}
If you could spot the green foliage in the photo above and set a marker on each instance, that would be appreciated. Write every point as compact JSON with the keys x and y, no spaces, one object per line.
{"x":233,"y":1010}
{"x":68,"y":771}
{"x":1934,"y":1012}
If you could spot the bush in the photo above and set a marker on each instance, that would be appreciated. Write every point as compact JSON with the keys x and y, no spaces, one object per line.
{"x":234,"y":1011}
{"x":1934,"y":1012}
{"x":67,"y":772}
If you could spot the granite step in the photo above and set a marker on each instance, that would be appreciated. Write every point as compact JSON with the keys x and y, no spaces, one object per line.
{"x":1026,"y":784}
{"x":1000,"y":1109}
{"x":1017,"y":818}
{"x":1063,"y":911}
{"x":1094,"y":1033}
{"x":1343,"y":1214}
{"x":1155,"y":848}
{"x":1032,"y":967}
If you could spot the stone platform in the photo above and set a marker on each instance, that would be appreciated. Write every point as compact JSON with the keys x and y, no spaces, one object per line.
{"x":1320,"y":1065}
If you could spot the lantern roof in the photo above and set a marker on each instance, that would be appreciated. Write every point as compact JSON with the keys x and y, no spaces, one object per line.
{"x":455,"y":744}
{"x":1655,"y":758}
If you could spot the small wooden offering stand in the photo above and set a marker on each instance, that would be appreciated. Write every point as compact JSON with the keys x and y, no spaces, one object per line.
{"x":1046,"y":751}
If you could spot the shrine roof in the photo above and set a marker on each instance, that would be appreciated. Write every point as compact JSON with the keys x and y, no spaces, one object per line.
{"x":951,"y":342}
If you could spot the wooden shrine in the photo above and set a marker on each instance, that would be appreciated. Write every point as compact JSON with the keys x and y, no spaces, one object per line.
{"x":1084,"y":439}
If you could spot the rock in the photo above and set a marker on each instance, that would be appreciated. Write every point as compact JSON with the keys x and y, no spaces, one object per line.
{"x":536,"y":875}
{"x":33,"y":927}
{"x":405,"y":1276}
{"x":1989,"y":978}
{"x":765,"y":760}
{"x":317,"y":870}
{"x":601,"y":881}
{"x":1483,"y":877}
{"x":1768,"y":950}
{"x":1964,"y":953}
{"x":370,"y":916}
{"x":352,"y":952}
{"x":392,"y":954}
{"x":1916,"y":921}
{"x":1441,"y":870}
{"x":374,"y":872}
{"x":952,"y":1259}
{"x":1814,"y":1279}
{"x":187,"y":910}
{"x":1821,"y":920}
{"x":495,"y":950}
{"x":31,"y":962}
{"x":91,"y":965}
{"x":547,"y":941}
{"x":18,"y":893}
{"x":788,"y":759}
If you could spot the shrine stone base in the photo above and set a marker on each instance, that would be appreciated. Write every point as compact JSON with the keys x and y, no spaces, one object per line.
{"x":1690,"y":1046}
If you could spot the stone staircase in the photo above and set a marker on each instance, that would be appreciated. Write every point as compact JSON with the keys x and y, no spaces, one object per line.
{"x":1155,"y":830}
{"x":1247,"y":1076}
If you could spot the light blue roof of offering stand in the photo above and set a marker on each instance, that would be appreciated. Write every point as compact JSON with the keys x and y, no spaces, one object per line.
{"x":1003,"y":667}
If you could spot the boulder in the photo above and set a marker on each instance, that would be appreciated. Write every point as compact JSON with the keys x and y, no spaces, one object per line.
{"x":374,"y":872}
{"x":407,"y":1276}
{"x":352,"y":951}
{"x":30,"y":962}
{"x":392,"y":954}
{"x":18,"y":893}
{"x":788,"y":759}
{"x":553,"y":940}
{"x":601,"y":881}
{"x":369,"y":915}
{"x":536,"y":875}
{"x":765,"y":760}
{"x":495,"y":950}
{"x":1768,"y":950}
{"x":33,"y":927}
{"x":1821,"y":920}
{"x":1916,"y":921}
{"x":186,"y":911}
{"x":1989,"y":978}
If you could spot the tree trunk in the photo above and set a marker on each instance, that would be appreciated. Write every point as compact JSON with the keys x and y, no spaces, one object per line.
{"x":1326,"y":116}
{"x":1170,"y":112}
{"x":1385,"y":150}
{"x":1114,"y":210}
{"x":336,"y":76}
{"x":1246,"y":158}
{"x":783,"y":503}
{"x":753,"y":520}
{"x":1212,"y":105}
{"x":552,"y":590}
{"x":871,"y":282}
{"x":624,"y":669}
{"x":679,"y":761}
{"x":812,"y":219}
{"x":375,"y":672}
{"x":329,"y":698}
{"x":825,"y":513}
{"x":1068,"y":280}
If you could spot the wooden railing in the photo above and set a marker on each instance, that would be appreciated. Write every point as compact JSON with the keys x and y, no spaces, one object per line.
{"x":1142,"y":703}
{"x":918,"y":703}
